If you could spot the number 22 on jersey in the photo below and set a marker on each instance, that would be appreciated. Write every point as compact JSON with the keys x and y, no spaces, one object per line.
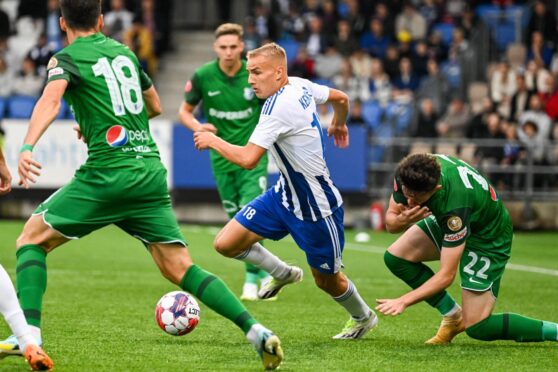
{"x":125,"y":91}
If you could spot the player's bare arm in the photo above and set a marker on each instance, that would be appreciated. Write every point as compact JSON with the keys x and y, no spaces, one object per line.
{"x":449,"y":262}
{"x":44,"y":113}
{"x":187,"y":118}
{"x":246,"y":157}
{"x":338,"y":128}
{"x":400,"y":217}
{"x":5,"y":176}
{"x":152,"y":102}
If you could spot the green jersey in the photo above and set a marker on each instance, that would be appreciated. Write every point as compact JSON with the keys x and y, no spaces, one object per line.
{"x":229,"y":103}
{"x":105,"y":85}
{"x":467,"y":208}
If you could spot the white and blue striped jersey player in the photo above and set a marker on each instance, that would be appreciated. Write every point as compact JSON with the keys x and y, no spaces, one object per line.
{"x":304,"y":203}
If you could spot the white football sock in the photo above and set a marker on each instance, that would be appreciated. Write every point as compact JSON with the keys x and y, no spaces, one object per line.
{"x":453,"y":310}
{"x":253,"y":335}
{"x":10,"y":309}
{"x":258,"y":256}
{"x":353,"y":303}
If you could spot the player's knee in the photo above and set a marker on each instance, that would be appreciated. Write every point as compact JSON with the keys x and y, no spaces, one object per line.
{"x":224,"y":247}
{"x":479,"y":330}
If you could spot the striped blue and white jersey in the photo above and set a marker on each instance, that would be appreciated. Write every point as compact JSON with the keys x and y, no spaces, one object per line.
{"x":289,"y":128}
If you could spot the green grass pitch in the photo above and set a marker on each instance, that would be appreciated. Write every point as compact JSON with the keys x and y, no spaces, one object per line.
{"x":98,"y":312}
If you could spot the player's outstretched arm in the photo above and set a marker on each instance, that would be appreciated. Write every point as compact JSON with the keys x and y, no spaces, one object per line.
{"x":400,"y":217}
{"x":186,"y":116}
{"x":44,"y":113}
{"x":338,"y":128}
{"x":449,"y":262}
{"x":152,"y":102}
{"x":246,"y":157}
{"x":5,"y":176}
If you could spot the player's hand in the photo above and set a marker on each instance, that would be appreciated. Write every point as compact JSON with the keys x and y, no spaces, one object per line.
{"x":207,"y":127}
{"x":28,"y":169}
{"x":340,"y":134}
{"x":79,"y":134}
{"x":391,"y":306}
{"x":202,"y":140}
{"x":411,"y":215}
{"x":5,"y":179}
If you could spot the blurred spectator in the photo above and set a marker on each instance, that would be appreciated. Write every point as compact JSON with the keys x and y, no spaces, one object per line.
{"x":355,"y":113}
{"x":52,"y":25}
{"x":459,"y":44}
{"x":28,"y":82}
{"x":303,"y":65}
{"x":537,"y":115}
{"x":478,"y":127}
{"x":411,"y":21}
{"x":391,"y":62}
{"x":330,"y":18}
{"x":251,"y":38}
{"x":543,"y":21}
{"x":538,"y":50}
{"x":379,"y":85}
{"x":405,"y":44}
{"x":455,"y":8}
{"x":383,"y":14}
{"x":27,"y":33}
{"x":550,"y":98}
{"x":406,"y":81}
{"x":427,"y":119}
{"x":41,"y":54}
{"x":328,"y":64}
{"x":520,"y":100}
{"x":356,"y":88}
{"x":491,"y":154}
{"x":117,"y":20}
{"x":419,"y":59}
{"x":451,"y":70}
{"x":538,"y":145}
{"x":293,"y":23}
{"x":468,"y":22}
{"x":536,"y":76}
{"x":355,"y":17}
{"x":316,"y":43}
{"x":5,"y":28}
{"x":511,"y":149}
{"x":344,"y":41}
{"x":434,"y":86}
{"x":455,"y":121}
{"x":436,"y":46}
{"x":502,"y":83}
{"x":35,"y":9}
{"x":140,"y":41}
{"x":361,"y":63}
{"x":6,"y":78}
{"x":430,"y":11}
{"x":311,"y":9}
{"x":374,"y":41}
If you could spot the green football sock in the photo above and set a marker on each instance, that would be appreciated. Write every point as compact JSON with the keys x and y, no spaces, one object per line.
{"x":214,"y":293}
{"x":415,"y":275}
{"x":31,"y":281}
{"x":251,"y":273}
{"x":510,"y":326}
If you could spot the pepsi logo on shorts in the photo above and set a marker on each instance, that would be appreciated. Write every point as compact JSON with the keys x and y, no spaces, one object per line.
{"x":117,"y":136}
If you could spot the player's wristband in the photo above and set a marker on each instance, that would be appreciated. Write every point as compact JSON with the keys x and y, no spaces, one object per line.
{"x":26,"y":147}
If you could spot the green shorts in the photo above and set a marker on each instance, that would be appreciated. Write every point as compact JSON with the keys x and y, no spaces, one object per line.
{"x":482,"y":264}
{"x":239,"y":187}
{"x":134,"y":198}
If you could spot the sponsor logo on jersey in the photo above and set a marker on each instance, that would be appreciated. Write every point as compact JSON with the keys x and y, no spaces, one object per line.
{"x":117,"y":136}
{"x":248,"y":94}
{"x":474,"y":281}
{"x":325,"y":266}
{"x":455,"y":237}
{"x":55,"y":71}
{"x":188,"y":86}
{"x":455,"y":223}
{"x":493,"y":194}
{"x":394,"y":185}
{"x":52,"y":63}
{"x":231,"y":115}
{"x":213,"y":93}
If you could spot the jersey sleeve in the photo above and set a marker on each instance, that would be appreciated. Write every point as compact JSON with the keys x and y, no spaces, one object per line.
{"x":192,"y":90}
{"x":145,"y":80}
{"x":320,"y":93}
{"x":398,"y":192}
{"x":267,"y":131}
{"x":62,"y":67}
{"x":455,"y":225}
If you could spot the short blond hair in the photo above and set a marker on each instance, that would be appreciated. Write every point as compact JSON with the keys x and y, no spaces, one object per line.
{"x":229,"y":29}
{"x":271,"y":50}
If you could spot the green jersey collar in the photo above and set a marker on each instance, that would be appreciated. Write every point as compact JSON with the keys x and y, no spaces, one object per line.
{"x":96,"y":37}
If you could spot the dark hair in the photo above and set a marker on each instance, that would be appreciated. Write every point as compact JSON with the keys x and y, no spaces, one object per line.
{"x":81,"y":14}
{"x":419,"y":172}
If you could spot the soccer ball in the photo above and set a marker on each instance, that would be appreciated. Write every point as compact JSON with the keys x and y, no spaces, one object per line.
{"x":177,"y":313}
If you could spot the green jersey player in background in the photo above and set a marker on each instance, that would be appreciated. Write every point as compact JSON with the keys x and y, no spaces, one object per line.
{"x":463,"y":223}
{"x":123,"y":181}
{"x":232,"y":111}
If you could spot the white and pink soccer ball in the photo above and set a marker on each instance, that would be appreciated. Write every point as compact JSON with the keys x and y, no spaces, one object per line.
{"x":177,"y":313}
